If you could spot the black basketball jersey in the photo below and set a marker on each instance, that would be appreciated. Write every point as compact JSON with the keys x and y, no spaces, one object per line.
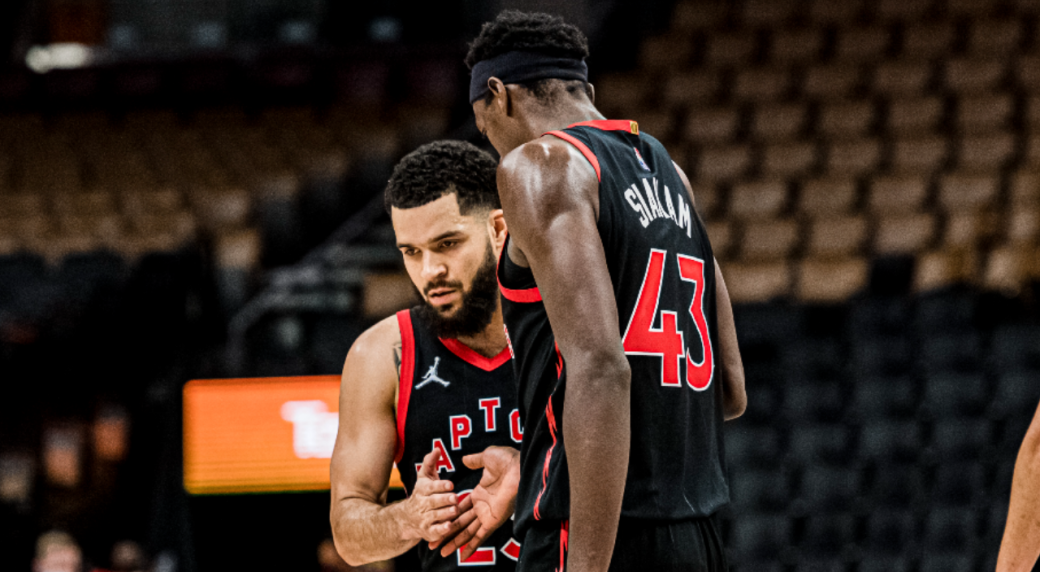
{"x":456,"y":400}
{"x":663,"y":272}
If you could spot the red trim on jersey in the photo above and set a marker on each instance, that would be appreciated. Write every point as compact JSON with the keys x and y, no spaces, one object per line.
{"x":564,"y":528}
{"x":580,"y":147}
{"x":610,"y":125}
{"x":548,"y":457}
{"x":525,"y":296}
{"x":404,"y":392}
{"x":473,"y":358}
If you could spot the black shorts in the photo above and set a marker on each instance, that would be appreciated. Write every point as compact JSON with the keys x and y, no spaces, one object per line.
{"x":686,"y":545}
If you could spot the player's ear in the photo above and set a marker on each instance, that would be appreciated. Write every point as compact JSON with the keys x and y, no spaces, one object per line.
{"x":497,"y":228}
{"x":500,"y":95}
{"x":590,"y":91}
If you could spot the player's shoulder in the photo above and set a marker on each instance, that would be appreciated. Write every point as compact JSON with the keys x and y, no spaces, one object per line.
{"x":542,"y":164}
{"x":376,"y":344}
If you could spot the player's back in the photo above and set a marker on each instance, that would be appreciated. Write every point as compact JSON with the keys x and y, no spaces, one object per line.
{"x":663,"y":272}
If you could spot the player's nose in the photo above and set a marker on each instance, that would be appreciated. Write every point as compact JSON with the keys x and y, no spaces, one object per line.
{"x":433,"y":267}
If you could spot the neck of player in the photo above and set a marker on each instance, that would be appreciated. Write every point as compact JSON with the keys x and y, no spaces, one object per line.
{"x":568,"y":111}
{"x":490,"y":341}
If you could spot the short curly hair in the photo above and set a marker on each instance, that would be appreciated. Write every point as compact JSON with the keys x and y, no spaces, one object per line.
{"x":440,"y":168}
{"x":535,"y":32}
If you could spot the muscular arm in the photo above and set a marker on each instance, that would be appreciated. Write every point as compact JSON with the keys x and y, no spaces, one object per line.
{"x":549,"y":195}
{"x":1021,"y":544}
{"x":364,"y":528}
{"x":734,"y":394}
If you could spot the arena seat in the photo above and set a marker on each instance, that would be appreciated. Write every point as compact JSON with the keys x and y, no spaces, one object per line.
{"x":1015,"y":393}
{"x":778,"y":122}
{"x":995,"y":37}
{"x":750,"y":282}
{"x":760,"y":13}
{"x":825,"y":197}
{"x":823,"y":280}
{"x":905,"y":11}
{"x":712,"y":125}
{"x":665,"y":52}
{"x":831,"y":81}
{"x":974,"y":74}
{"x":824,"y":538}
{"x":853,"y":158}
{"x":922,"y":42}
{"x":1027,"y":73}
{"x":722,"y":235}
{"x":882,"y":354}
{"x":789,"y":160}
{"x":890,"y":440}
{"x":761,"y":85}
{"x":961,"y":438}
{"x":828,"y":490}
{"x":958,"y":484}
{"x":685,"y":89}
{"x":904,"y":234}
{"x":947,"y":561}
{"x":796,"y":46}
{"x":1014,"y":347}
{"x":986,"y":152}
{"x":864,"y":44}
{"x":876,"y":397}
{"x":897,"y":194}
{"x":1024,"y":188}
{"x":723,"y":164}
{"x":769,"y":239}
{"x":690,"y":15}
{"x":757,"y":537}
{"x":915,"y":115}
{"x":947,"y":529}
{"x":985,"y":112}
{"x":826,"y":12}
{"x":846,"y":119}
{"x":754,"y":446}
{"x":728,"y":49}
{"x":836,"y":236}
{"x":759,"y":491}
{"x":881,"y":563}
{"x":895,"y":485}
{"x":944,"y":353}
{"x":920,"y":154}
{"x":809,"y":402}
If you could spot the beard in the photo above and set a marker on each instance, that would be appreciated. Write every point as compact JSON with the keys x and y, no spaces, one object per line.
{"x":476,"y":306}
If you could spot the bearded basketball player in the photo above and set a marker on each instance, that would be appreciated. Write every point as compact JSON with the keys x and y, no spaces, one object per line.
{"x":430,"y":385}
{"x":617,"y":313}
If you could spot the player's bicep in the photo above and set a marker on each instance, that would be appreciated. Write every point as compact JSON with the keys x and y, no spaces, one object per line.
{"x":554,"y":224}
{"x":365,"y":442}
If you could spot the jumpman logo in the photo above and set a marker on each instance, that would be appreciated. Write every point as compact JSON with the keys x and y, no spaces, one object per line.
{"x":431,"y":375}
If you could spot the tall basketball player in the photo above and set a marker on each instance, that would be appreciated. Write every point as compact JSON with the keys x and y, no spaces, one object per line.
{"x":617,"y":313}
{"x":432,"y":384}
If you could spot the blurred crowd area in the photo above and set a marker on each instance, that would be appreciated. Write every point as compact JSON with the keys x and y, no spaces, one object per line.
{"x":869,"y":173}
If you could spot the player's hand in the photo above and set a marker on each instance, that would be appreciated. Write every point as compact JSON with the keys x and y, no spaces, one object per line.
{"x":491,"y":502}
{"x":432,"y":505}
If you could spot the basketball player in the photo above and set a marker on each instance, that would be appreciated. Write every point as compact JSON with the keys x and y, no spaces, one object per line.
{"x":620,"y":323}
{"x":1020,"y":546}
{"x":429,"y":385}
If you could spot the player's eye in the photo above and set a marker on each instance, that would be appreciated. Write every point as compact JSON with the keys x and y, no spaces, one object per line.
{"x":409,"y":251}
{"x":448,"y":243}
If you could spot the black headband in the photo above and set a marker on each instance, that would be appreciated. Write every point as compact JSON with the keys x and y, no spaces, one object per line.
{"x":518,"y":67}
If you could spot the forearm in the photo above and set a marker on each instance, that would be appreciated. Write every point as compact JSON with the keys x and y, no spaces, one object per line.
{"x":596,"y":433}
{"x":1020,"y":546}
{"x":365,"y":531}
{"x":734,"y":393}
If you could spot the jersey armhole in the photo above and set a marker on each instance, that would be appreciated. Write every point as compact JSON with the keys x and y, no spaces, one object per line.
{"x":404,"y":394}
{"x":585,"y":151}
{"x":522,"y":296}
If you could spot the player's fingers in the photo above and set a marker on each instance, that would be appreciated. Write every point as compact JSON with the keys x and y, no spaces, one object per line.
{"x":462,"y":540}
{"x":474,"y":461}
{"x":441,"y":516}
{"x":427,"y":487}
{"x":429,"y":464}
{"x":458,"y":526}
{"x":476,"y":541}
{"x":435,"y":501}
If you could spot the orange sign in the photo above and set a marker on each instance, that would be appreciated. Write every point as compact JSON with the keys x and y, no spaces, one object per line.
{"x":260,"y":434}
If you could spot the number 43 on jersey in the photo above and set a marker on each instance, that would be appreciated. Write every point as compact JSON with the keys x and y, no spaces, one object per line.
{"x":667,"y":341}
